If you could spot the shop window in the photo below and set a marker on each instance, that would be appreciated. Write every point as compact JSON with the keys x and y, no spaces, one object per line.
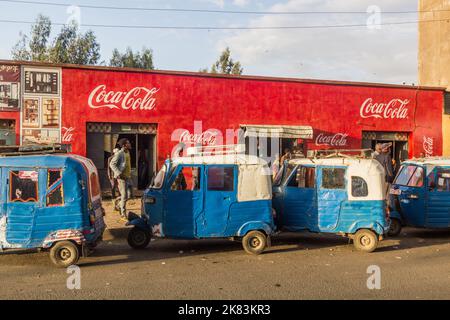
{"x":55,"y":193}
{"x":221,"y":178}
{"x":24,"y":186}
{"x":304,"y":178}
{"x":187,"y":179}
{"x":443,"y":181}
{"x":359,"y":187}
{"x":333,"y":178}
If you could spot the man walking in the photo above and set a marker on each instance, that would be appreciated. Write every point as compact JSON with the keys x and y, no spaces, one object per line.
{"x":121,"y":167}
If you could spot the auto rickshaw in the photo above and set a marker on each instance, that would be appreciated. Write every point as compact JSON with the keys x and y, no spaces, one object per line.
{"x":421,"y":195}
{"x":51,"y":201}
{"x":211,"y":196}
{"x":338,"y":193}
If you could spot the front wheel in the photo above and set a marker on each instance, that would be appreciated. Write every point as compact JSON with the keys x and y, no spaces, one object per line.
{"x":395,"y":228}
{"x":254,"y":242}
{"x":64,"y":254}
{"x":365,"y":240}
{"x":138,"y":238}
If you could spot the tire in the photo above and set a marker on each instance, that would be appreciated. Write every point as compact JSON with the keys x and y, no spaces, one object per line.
{"x":365,"y":240}
{"x":395,"y":228}
{"x":138,"y":238}
{"x":254,"y":242}
{"x":64,"y":254}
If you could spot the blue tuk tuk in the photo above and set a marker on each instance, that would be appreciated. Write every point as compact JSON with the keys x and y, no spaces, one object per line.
{"x":344,"y":195}
{"x":51,"y":201}
{"x":202,"y":197}
{"x":421,"y":195}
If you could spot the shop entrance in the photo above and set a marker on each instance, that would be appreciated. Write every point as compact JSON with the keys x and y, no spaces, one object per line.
{"x":7,"y":132}
{"x":102,"y":139}
{"x":399,"y":140}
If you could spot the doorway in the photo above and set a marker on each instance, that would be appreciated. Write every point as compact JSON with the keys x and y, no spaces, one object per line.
{"x":104,"y":136}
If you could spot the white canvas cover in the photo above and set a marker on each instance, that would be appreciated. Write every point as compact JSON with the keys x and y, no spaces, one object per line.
{"x":254,"y":183}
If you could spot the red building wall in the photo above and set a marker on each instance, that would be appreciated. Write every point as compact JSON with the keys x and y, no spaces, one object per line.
{"x":224,"y":103}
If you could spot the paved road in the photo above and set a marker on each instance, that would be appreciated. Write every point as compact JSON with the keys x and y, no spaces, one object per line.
{"x":298,"y":266}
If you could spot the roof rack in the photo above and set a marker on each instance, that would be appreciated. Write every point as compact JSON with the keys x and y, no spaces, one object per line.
{"x":34,"y":149}
{"x":228,"y":149}
{"x":430,"y":159}
{"x":341,"y":153}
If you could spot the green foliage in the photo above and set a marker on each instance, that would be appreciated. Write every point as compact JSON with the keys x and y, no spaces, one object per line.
{"x":225,"y":64}
{"x":130,"y":59}
{"x":69,"y":46}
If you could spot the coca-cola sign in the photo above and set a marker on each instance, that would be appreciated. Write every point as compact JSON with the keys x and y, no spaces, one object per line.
{"x":393,"y":109}
{"x":67,"y":134}
{"x":138,"y":98}
{"x":207,"y":138}
{"x":428,"y":147}
{"x":332,"y":140}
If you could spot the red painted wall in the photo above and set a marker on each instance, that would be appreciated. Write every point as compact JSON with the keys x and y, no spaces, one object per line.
{"x":226,"y":103}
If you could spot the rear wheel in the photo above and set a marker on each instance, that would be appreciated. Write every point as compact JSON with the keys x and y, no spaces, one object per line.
{"x":395,"y":228}
{"x":254,"y":242}
{"x":138,"y":238}
{"x":365,"y":240}
{"x":64,"y":254}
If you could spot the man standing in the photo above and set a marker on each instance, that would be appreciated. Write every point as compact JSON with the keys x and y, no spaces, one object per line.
{"x":112,"y":180}
{"x":386,"y":161}
{"x":121,"y":168}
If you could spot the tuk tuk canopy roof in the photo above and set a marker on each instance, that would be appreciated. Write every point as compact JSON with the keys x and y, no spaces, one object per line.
{"x":254,"y":178}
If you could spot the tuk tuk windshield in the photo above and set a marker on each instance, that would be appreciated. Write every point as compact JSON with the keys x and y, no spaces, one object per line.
{"x":158,"y":181}
{"x":411,"y":176}
{"x":283,"y":174}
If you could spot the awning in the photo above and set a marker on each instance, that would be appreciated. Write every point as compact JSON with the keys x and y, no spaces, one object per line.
{"x":296,"y":132}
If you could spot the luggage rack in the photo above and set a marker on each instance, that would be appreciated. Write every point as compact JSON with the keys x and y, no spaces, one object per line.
{"x":430,"y":158}
{"x":221,"y":150}
{"x":34,"y":149}
{"x":342,"y":153}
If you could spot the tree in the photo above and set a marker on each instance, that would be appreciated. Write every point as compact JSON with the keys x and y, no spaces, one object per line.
{"x":130,"y":59}
{"x":69,"y":46}
{"x":225,"y":64}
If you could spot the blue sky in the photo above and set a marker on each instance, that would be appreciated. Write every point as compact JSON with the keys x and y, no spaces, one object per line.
{"x":388,"y":54}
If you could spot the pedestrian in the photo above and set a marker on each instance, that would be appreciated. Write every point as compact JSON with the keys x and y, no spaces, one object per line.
{"x":386,"y":161}
{"x":113,"y":181}
{"x":286,"y":156}
{"x":377,"y":151}
{"x":121,"y":168}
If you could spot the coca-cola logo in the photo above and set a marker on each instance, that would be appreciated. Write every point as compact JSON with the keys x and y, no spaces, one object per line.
{"x":67,"y":134}
{"x":428,"y":146}
{"x":394,"y":109}
{"x":138,"y":98}
{"x":208,"y":138}
{"x":334,"y":140}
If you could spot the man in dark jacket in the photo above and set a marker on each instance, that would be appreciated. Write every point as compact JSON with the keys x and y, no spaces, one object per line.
{"x":386,"y":161}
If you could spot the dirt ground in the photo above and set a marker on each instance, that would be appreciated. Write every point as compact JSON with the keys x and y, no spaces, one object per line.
{"x":415,"y":265}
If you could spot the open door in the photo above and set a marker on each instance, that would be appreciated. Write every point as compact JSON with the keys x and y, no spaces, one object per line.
{"x":331,"y":194}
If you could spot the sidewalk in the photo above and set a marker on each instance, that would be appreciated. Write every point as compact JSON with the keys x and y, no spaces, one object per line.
{"x":116,"y":228}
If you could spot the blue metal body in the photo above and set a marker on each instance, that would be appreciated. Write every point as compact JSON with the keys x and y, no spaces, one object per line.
{"x":325,"y":210}
{"x":36,"y":224}
{"x":185,"y":214}
{"x":423,"y":206}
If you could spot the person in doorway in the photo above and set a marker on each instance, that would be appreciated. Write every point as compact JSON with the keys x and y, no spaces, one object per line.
{"x":113,"y":181}
{"x":386,"y":161}
{"x":286,"y":156}
{"x":121,"y":168}
{"x":377,"y":151}
{"x":143,"y":168}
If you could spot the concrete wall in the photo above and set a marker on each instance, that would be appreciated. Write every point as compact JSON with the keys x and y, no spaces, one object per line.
{"x":434,"y":52}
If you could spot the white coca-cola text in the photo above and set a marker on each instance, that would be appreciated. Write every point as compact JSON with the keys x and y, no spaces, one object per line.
{"x":139,"y":98}
{"x":394,"y":109}
{"x":336,"y":140}
{"x":428,"y":146}
{"x":206,"y":138}
{"x":67,"y":134}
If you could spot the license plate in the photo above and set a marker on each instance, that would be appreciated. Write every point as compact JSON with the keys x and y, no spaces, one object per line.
{"x":396,"y":192}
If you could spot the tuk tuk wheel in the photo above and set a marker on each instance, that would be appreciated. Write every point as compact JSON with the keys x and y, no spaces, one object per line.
{"x":365,"y":240}
{"x":64,"y":254}
{"x":138,"y":238}
{"x":254,"y":242}
{"x":395,"y":228}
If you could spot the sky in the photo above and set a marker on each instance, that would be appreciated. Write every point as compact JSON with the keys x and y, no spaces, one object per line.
{"x":373,"y":53}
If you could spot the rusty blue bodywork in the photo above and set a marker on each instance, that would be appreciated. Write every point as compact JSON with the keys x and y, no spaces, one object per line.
{"x":202,"y":213}
{"x":36,"y":222}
